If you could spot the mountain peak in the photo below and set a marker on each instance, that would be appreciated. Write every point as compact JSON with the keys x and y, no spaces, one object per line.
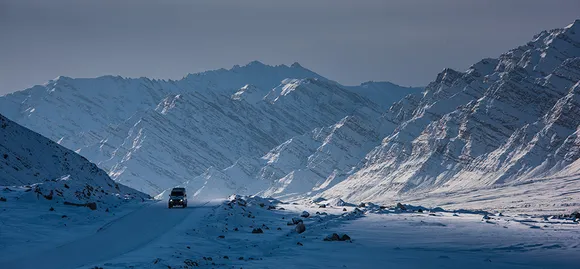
{"x":255,"y":63}
{"x":296,"y":65}
{"x":574,"y":26}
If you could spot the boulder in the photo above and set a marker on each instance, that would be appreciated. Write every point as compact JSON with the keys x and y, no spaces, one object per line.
{"x":257,"y":231}
{"x":345,"y":237}
{"x":332,"y":237}
{"x":305,"y":214}
{"x":362,"y":205}
{"x":296,"y":220}
{"x":92,"y":205}
{"x":300,"y":228}
{"x":401,"y":206}
{"x":322,"y":206}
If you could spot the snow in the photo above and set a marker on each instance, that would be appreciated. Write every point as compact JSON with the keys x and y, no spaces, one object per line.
{"x":219,"y":235}
{"x":486,"y":161}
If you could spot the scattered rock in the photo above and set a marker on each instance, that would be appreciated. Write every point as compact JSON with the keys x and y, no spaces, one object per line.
{"x":226,"y":257}
{"x":156,"y":261}
{"x":257,"y":231}
{"x":344,"y":209}
{"x":332,"y":237}
{"x":63,"y":217}
{"x":271,"y":207}
{"x":305,"y":214}
{"x":401,"y":206}
{"x":296,"y":220}
{"x":188,"y":247}
{"x":300,"y":244}
{"x":222,"y":236}
{"x":322,"y":206}
{"x":241,"y":258}
{"x":279,"y":229}
{"x":236,"y":229}
{"x":2,"y":199}
{"x":420,"y":210}
{"x":49,"y":196}
{"x":336,"y":237}
{"x":190,"y":263}
{"x":362,"y":205}
{"x":300,"y":228}
{"x":262,"y":205}
{"x":486,"y":217}
{"x":51,"y":209}
{"x":92,"y":205}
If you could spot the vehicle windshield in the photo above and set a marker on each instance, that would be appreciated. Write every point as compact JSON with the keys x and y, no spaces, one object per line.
{"x":176,"y":193}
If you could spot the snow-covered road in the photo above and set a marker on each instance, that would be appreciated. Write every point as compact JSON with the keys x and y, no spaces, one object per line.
{"x":116,"y":238}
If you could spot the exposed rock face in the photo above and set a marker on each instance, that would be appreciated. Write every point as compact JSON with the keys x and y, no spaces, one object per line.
{"x":504,"y":120}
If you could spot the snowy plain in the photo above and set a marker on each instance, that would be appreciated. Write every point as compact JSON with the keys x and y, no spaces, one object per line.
{"x":218,"y":234}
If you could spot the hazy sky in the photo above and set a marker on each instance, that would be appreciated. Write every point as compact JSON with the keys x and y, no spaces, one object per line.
{"x":405,"y":41}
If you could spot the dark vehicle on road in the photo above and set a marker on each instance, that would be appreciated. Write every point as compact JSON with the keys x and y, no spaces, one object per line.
{"x":177,"y":197}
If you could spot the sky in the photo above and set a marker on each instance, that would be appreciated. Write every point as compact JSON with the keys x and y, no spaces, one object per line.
{"x":403,"y":41}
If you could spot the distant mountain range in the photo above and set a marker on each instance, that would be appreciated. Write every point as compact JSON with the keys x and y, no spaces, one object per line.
{"x":286,"y":131}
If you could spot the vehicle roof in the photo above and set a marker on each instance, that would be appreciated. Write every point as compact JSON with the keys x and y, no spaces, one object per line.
{"x":178,"y":189}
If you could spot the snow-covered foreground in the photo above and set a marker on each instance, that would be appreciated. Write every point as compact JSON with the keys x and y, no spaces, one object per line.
{"x":220,"y":235}
{"x":70,"y":237}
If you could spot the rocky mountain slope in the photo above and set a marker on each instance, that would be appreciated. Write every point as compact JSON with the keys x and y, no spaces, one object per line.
{"x":502,"y":124}
{"x":42,"y":169}
{"x":155,"y":134}
{"x":503,"y":121}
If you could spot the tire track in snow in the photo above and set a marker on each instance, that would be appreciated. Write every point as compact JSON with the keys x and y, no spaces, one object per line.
{"x":113,"y":239}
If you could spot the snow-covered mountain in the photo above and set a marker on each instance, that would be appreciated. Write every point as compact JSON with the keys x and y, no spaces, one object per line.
{"x":52,"y":172}
{"x":286,"y":131}
{"x":155,"y":134}
{"x":503,"y":121}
